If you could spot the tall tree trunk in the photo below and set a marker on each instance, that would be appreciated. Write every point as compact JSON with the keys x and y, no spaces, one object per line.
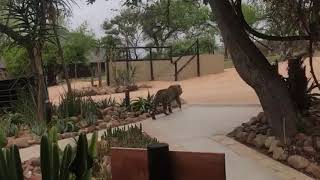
{"x":226,"y":55}
{"x":99,"y":74}
{"x":256,"y":71}
{"x":41,"y":89}
{"x":63,"y":62}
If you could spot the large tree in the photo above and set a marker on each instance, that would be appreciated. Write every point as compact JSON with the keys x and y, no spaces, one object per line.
{"x":165,"y":20}
{"x":28,"y":23}
{"x":125,"y":26}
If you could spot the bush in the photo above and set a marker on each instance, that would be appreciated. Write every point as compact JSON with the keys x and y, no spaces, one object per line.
{"x":70,"y":105}
{"x":130,"y":137}
{"x":141,"y":104}
{"x":3,"y":138}
{"x":9,"y":123}
{"x":65,"y":125}
{"x":298,"y":85}
{"x":105,"y":103}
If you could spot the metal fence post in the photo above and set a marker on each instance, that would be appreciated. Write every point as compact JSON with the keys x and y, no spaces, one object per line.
{"x":151,"y":65}
{"x":198,"y":59}
{"x":175,"y":71}
{"x":127,"y":58}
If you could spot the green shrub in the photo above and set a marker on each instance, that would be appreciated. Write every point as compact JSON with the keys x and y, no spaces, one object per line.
{"x":89,"y":111}
{"x":65,"y":125}
{"x":105,"y":103}
{"x":70,"y":105}
{"x":299,"y":87}
{"x":25,"y":106}
{"x":131,"y":137}
{"x":3,"y":138}
{"x":7,"y":124}
{"x":38,"y":128}
{"x":141,"y":104}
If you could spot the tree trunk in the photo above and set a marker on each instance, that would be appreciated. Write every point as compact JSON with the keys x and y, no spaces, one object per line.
{"x":63,"y":62}
{"x":41,"y":89}
{"x":99,"y":74}
{"x":256,"y":71}
{"x":226,"y":55}
{"x":92,"y":75}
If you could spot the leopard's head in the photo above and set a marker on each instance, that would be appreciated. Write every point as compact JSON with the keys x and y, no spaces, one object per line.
{"x":177,"y":88}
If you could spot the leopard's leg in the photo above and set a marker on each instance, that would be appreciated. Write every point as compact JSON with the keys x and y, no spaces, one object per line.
{"x":178,"y":101}
{"x":170,"y":108}
{"x":165,"y":106}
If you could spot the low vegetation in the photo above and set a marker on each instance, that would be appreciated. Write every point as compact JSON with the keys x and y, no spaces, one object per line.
{"x":88,"y":159}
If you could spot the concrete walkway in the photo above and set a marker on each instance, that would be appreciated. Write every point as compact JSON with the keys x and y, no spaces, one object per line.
{"x":202,"y":128}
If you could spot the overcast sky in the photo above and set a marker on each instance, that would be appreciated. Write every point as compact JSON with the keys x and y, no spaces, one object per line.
{"x":94,"y":14}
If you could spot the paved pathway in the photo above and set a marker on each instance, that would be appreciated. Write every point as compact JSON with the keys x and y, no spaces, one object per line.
{"x":202,"y":128}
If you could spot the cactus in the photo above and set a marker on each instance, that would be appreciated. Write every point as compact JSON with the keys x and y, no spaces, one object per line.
{"x":10,"y":164}
{"x":51,"y":168}
{"x":83,"y":162}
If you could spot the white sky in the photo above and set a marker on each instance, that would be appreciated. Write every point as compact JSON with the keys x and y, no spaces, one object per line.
{"x":94,"y":14}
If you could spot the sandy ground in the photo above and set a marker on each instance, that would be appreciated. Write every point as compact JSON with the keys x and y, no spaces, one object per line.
{"x":223,"y":88}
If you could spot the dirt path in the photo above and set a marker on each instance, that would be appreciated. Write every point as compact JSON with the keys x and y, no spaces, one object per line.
{"x":223,"y":88}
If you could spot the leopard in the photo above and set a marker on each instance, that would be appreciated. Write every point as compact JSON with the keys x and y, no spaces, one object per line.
{"x":165,"y":97}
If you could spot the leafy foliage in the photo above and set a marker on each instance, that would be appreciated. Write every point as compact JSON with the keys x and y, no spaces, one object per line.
{"x":107,"y":102}
{"x":298,"y":85}
{"x":78,"y":44}
{"x":141,"y":104}
{"x":70,"y":105}
{"x":65,"y":125}
{"x":16,"y":60}
{"x":131,"y":137}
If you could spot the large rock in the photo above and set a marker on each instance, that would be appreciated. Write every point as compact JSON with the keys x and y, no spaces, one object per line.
{"x":275,"y":143}
{"x":107,"y":111}
{"x":259,"y":140}
{"x":132,"y":119}
{"x":74,"y":119}
{"x":314,"y":170}
{"x":309,"y":150}
{"x":251,"y":137}
{"x":103,"y":125}
{"x":107,"y":118}
{"x":121,"y":89}
{"x":269,"y":140}
{"x":252,"y":121}
{"x":317,"y":143}
{"x":279,"y":154}
{"x":298,"y":162}
{"x":21,"y":142}
{"x":236,"y":131}
{"x":242,"y":136}
{"x":67,"y":135}
{"x":260,"y":116}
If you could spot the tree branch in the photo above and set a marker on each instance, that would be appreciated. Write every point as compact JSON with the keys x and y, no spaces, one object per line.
{"x":255,"y":33}
{"x":12,"y":34}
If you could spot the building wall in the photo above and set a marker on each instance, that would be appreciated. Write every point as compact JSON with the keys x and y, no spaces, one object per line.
{"x":164,"y":70}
